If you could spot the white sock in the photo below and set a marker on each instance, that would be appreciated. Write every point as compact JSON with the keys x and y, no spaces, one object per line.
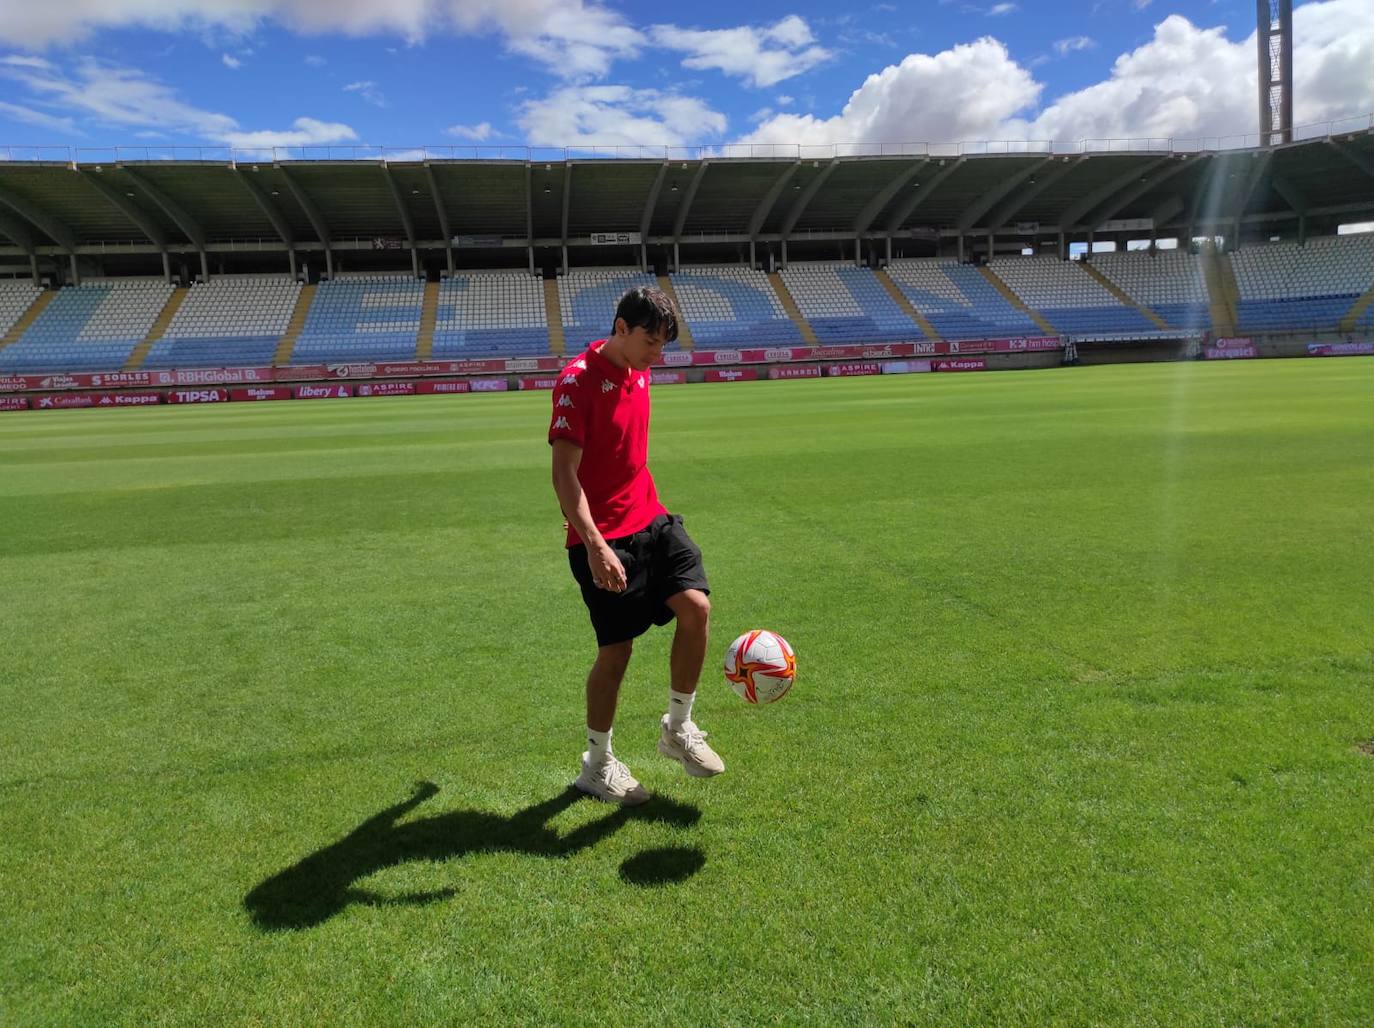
{"x":598,"y":746}
{"x":679,"y":707}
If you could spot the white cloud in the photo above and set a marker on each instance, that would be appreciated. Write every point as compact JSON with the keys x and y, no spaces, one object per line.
{"x":478,"y":133}
{"x":304,"y":132}
{"x":979,"y":88}
{"x":587,"y":116}
{"x":783,"y":100}
{"x":368,"y":91}
{"x":1073,"y":43}
{"x":114,"y":97}
{"x":760,"y":56}
{"x":231,"y":61}
{"x":574,"y":38}
{"x":314,"y":60}
{"x":1000,"y":9}
{"x":16,"y":112}
{"x":1186,"y":82}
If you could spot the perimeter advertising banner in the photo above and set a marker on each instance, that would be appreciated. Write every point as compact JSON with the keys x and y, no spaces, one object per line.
{"x":1231,"y":349}
{"x":732,"y":375}
{"x":1340,"y":349}
{"x":489,"y":385}
{"x":665,"y":378}
{"x":214,"y":395}
{"x":538,"y":383}
{"x":321,"y":392}
{"x":14,"y":403}
{"x":385,"y":389}
{"x":260,"y":393}
{"x":905,"y":367}
{"x":852,"y":370}
{"x":69,"y":400}
{"x":795,"y":371}
{"x":442,"y":387}
{"x":968,"y":364}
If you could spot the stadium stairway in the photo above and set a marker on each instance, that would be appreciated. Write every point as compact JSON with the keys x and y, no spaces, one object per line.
{"x":28,"y":317}
{"x":140,"y":352}
{"x":429,"y":314}
{"x":1016,"y":301}
{"x":293,"y":328}
{"x":1222,"y":291}
{"x":808,"y":334}
{"x":1123,"y":296}
{"x":553,"y":312}
{"x":899,"y":298}
{"x":684,"y":331}
{"x":1356,"y":312}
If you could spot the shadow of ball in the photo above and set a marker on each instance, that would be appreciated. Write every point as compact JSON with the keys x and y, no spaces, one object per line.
{"x":662,"y":866}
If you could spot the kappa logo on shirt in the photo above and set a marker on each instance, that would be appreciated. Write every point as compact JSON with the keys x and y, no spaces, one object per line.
{"x":566,"y":401}
{"x":579,"y":364}
{"x":562,"y":422}
{"x":607,"y":387}
{"x":643,"y":382}
{"x":569,"y":380}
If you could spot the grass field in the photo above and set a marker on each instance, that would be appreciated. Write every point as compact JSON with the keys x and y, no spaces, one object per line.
{"x":1086,"y":669}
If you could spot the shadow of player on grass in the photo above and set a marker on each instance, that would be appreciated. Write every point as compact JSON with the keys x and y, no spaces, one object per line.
{"x":316,"y":888}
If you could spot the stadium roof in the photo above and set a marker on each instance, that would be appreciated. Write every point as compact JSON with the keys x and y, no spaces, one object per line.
{"x":428,"y":202}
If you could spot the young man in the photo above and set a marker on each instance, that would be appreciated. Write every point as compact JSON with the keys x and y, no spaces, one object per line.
{"x":634,"y":561}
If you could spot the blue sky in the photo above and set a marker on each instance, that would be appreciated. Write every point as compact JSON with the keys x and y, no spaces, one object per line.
{"x":250,"y":73}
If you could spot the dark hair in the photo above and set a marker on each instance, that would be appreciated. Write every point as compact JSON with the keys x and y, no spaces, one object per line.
{"x":650,"y":309}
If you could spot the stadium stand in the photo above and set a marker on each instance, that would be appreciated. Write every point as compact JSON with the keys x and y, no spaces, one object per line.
{"x":228,"y":321}
{"x":15,"y":298}
{"x":732,"y":305}
{"x":845,"y":304}
{"x":481,"y":314}
{"x":90,"y":327}
{"x":1069,"y":299}
{"x":1284,"y":286}
{"x":362,"y":317}
{"x":1169,"y":282}
{"x":957,"y":301}
{"x":587,"y":297}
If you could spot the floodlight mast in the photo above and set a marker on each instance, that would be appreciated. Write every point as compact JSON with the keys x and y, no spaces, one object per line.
{"x":1274,"y":40}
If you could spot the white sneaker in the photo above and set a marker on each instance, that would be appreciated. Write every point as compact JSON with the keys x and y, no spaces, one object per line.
{"x":688,"y":745}
{"x":611,"y":781}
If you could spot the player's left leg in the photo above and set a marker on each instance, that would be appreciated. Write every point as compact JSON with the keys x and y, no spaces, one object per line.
{"x":680,"y":738}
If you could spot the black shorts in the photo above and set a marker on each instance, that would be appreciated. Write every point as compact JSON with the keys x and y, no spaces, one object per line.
{"x":659,"y":562}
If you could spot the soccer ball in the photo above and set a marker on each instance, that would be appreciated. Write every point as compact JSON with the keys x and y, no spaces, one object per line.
{"x":760,"y":666}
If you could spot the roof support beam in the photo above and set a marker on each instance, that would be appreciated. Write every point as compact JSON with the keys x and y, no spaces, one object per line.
{"x":1072,"y":214}
{"x":407,"y":223}
{"x":985,"y":202}
{"x":1208,"y":191}
{"x":912,"y":202}
{"x":884,"y":196}
{"x":40,"y":219}
{"x":567,"y":207}
{"x":14,"y":229}
{"x":1259,"y":165}
{"x":646,"y":219}
{"x":267,"y":207}
{"x":121,"y":203}
{"x":529,"y":215}
{"x":1292,"y":195}
{"x":1147,"y":182}
{"x":170,"y":207}
{"x":443,"y":214}
{"x":800,"y":204}
{"x":681,"y":221}
{"x":1358,"y":159}
{"x":313,"y":214}
{"x":760,"y":214}
{"x":1016,"y":203}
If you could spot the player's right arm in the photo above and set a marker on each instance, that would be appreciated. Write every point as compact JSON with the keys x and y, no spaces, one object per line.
{"x":607,"y":571}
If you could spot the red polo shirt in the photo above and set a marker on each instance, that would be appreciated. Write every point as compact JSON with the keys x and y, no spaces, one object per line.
{"x":605,"y":410}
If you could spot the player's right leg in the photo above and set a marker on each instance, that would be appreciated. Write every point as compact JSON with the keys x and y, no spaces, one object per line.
{"x":602,"y":774}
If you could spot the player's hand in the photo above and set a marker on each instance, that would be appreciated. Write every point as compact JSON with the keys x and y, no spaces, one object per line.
{"x":607,"y":571}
